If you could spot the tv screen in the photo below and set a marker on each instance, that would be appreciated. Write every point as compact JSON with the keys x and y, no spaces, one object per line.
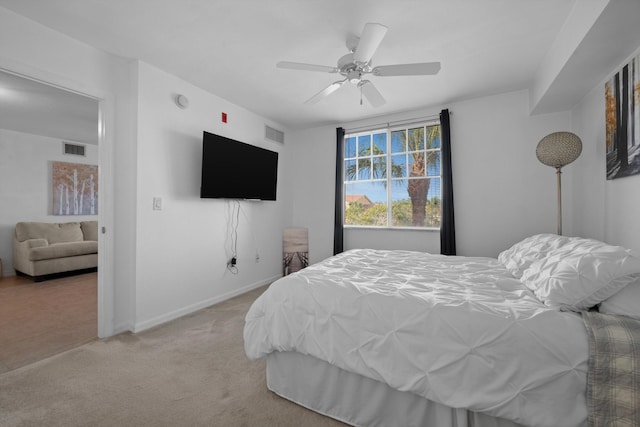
{"x":235,"y":170}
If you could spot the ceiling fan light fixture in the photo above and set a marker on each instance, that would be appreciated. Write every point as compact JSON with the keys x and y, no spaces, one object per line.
{"x":354,"y":76}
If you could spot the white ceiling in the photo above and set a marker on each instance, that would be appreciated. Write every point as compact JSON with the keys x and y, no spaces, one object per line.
{"x":231,"y":47}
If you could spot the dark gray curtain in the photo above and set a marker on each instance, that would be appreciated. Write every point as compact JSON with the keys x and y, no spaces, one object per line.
{"x":447,"y":224}
{"x":338,"y":228}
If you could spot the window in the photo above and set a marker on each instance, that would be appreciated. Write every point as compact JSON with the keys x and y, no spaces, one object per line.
{"x":392,"y":177}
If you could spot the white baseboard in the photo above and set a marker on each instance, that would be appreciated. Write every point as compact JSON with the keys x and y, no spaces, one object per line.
{"x":125,"y":327}
{"x":158,"y":320}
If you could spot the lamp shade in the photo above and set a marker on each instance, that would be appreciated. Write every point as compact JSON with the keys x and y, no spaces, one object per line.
{"x":558,"y":149}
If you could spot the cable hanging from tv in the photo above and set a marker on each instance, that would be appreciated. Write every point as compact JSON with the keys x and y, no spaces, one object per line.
{"x":235,"y":221}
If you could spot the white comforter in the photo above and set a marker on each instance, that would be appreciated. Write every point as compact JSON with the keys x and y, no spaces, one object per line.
{"x":460,"y":331}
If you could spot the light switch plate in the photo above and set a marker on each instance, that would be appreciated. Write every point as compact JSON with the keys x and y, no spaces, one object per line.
{"x":157,"y":203}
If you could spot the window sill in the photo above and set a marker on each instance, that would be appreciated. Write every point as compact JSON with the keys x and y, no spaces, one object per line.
{"x":373,"y":228}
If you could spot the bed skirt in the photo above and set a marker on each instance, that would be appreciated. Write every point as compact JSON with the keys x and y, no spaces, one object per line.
{"x":360,"y":401}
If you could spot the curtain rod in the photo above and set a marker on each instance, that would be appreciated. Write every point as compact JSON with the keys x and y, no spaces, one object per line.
{"x":394,"y":123}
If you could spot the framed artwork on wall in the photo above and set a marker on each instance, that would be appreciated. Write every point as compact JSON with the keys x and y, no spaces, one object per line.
{"x":75,"y":188}
{"x":622,"y":111}
{"x":295,"y":248}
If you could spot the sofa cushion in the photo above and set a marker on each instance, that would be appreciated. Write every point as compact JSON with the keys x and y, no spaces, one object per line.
{"x":90,"y":230}
{"x":61,"y":250}
{"x":53,"y":232}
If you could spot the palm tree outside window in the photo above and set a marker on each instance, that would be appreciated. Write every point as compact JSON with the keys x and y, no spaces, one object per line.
{"x":392,"y":177}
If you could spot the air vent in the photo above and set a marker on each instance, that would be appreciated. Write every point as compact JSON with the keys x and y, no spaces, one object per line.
{"x":73,"y":149}
{"x":273,"y":134}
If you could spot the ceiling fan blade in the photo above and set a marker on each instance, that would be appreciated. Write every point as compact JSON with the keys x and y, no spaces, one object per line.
{"x":370,"y":39}
{"x":420,"y":69}
{"x":372,"y":94}
{"x":306,"y":67}
{"x":325,"y":92}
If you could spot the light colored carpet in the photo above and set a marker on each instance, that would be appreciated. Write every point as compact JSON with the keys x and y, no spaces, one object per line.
{"x":188,"y":372}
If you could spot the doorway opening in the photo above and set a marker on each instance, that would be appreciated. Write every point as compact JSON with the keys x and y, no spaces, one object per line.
{"x":37,"y":121}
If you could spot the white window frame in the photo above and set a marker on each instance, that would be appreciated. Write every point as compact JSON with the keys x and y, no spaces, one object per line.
{"x":389,"y":176}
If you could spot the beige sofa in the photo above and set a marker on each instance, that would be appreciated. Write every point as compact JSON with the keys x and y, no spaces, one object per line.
{"x":42,"y":248}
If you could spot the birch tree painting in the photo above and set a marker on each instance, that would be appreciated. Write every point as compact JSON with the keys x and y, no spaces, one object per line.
{"x":75,"y":189}
{"x":622,"y":110}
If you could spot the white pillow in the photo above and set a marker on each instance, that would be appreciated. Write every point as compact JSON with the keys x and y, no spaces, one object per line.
{"x":521,"y":255}
{"x":581,"y":273}
{"x":624,"y":303}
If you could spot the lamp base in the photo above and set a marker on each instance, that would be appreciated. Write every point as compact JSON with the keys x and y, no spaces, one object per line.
{"x":558,"y":174}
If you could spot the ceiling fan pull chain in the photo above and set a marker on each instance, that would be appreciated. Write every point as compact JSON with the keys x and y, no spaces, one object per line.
{"x":360,"y":94}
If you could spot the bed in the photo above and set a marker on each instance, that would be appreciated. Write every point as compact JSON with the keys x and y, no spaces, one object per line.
{"x":403,"y":338}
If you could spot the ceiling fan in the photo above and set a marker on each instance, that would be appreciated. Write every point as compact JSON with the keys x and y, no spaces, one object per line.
{"x":357,"y":63}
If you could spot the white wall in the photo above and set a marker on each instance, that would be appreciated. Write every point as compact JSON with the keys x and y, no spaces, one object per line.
{"x":25,"y":184}
{"x":170,"y":262}
{"x":607,"y":210}
{"x":183,"y":249}
{"x":313,"y":153}
{"x":501,"y":192}
{"x":589,"y":172}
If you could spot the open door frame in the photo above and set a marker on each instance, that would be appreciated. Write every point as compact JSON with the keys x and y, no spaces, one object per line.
{"x":106,"y":131}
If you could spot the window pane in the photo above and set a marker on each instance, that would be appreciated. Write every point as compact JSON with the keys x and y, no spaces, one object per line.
{"x":433,"y":163}
{"x":416,"y":164}
{"x":434,"y":189}
{"x":399,"y":190}
{"x":364,"y":145}
{"x":365,"y":204}
{"x":433,"y":136}
{"x":416,"y":139}
{"x":400,"y":204}
{"x":414,"y":203}
{"x":380,"y":143}
{"x":399,"y":165}
{"x":364,"y":169}
{"x":379,"y":167}
{"x":350,"y":147}
{"x":398,"y":141}
{"x":433,"y":204}
{"x":350,"y":171}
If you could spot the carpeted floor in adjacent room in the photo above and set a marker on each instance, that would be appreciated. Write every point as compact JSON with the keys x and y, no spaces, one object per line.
{"x":188,"y":372}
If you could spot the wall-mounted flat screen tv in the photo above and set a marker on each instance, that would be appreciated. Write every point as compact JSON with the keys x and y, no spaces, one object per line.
{"x":236,"y":170}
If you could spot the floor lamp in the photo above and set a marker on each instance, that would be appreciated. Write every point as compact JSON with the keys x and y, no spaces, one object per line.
{"x":558,"y":149}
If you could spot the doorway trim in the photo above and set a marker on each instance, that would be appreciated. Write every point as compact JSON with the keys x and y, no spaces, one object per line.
{"x":106,"y":201}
